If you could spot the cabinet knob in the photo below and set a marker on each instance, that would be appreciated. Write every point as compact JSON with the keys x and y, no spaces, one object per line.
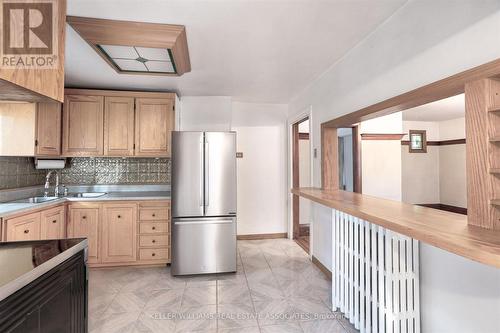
{"x":154,"y":228}
{"x":154,"y":214}
{"x":26,"y":231}
{"x":153,"y":254}
{"x":119,"y":216}
{"x":84,"y":217}
{"x":54,"y":221}
{"x":154,"y":240}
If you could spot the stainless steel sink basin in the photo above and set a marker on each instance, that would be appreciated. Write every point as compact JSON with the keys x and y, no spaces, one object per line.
{"x":87,"y":194}
{"x":35,"y":200}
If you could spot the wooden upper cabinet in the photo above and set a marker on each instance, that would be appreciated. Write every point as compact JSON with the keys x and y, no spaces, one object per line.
{"x":84,"y":222}
{"x":83,"y":125}
{"x":26,"y":227}
{"x":48,"y":129}
{"x":119,"y":126}
{"x":154,"y":122}
{"x":52,"y":223}
{"x":119,"y":233}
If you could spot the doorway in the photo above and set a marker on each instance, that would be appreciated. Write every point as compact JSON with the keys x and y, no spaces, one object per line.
{"x":349,"y":159}
{"x":301,"y":177}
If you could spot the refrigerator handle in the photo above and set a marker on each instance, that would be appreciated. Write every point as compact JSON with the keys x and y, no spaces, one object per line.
{"x":201,"y":173}
{"x":207,"y":174}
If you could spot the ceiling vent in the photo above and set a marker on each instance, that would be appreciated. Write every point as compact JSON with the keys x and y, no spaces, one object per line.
{"x":136,"y":47}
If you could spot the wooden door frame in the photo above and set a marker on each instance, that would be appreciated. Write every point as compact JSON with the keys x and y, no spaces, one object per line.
{"x":299,"y":117}
{"x":296,"y":176}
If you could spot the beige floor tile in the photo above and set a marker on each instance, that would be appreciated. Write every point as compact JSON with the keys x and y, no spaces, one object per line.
{"x":117,"y":323}
{"x":322,"y":326}
{"x":236,"y":316}
{"x":99,"y":303}
{"x":265,"y":290}
{"x":128,"y":302}
{"x":233,"y":293}
{"x":150,"y":322}
{"x":165,"y":300}
{"x":195,"y":296}
{"x":310,"y":308}
{"x":201,"y":280}
{"x":282,"y":328}
{"x":232,"y":278}
{"x":274,"y":312}
{"x":197,"y":318}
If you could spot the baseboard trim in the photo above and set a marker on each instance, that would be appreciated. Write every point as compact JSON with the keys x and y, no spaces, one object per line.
{"x":262,"y":236}
{"x":322,"y":267}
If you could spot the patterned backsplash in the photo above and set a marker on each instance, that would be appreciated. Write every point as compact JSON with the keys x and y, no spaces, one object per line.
{"x":20,"y":171}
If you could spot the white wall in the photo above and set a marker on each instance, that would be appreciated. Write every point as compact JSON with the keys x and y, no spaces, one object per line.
{"x":205,"y":113}
{"x":438,"y":176}
{"x":381,"y":159}
{"x":422,"y":42}
{"x":261,"y":137}
{"x":262,"y":182}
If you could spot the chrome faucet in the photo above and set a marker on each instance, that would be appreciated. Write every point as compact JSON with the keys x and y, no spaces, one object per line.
{"x":47,"y":184}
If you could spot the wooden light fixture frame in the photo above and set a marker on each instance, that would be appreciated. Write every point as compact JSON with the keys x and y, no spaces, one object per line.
{"x":127,"y":33}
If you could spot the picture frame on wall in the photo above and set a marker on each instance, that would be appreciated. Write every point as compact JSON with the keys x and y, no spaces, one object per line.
{"x":418,"y":141}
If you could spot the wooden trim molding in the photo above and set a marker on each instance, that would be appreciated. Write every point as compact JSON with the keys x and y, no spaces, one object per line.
{"x":450,"y":86}
{"x":381,"y":136}
{"x":439,"y":143}
{"x":262,"y":236}
{"x":447,"y":208}
{"x":356,"y":161}
{"x":303,"y":136}
{"x":322,"y":267}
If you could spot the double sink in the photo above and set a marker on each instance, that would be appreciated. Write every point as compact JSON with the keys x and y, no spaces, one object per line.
{"x":71,"y":195}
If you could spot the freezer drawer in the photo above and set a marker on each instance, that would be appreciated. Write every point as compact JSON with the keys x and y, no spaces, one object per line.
{"x":203,"y":245}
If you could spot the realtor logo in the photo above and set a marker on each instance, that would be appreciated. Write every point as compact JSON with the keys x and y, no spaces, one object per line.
{"x":29,"y":34}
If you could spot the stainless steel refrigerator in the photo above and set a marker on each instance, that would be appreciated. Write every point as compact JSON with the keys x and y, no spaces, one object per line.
{"x":203,"y":202}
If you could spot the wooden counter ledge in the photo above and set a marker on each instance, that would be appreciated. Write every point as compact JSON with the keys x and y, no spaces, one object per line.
{"x":445,"y":230}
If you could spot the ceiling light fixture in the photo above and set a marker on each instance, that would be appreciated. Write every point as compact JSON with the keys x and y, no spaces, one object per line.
{"x":136,"y":47}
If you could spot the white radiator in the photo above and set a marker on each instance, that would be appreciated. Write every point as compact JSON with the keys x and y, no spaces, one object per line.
{"x":375,"y":276}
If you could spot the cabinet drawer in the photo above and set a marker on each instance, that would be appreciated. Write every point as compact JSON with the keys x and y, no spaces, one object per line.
{"x":153,"y":240}
{"x":22,"y":228}
{"x":153,"y":254}
{"x":154,"y":214}
{"x":153,"y":227}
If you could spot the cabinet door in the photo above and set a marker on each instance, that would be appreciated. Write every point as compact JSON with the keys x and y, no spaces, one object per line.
{"x":119,"y":233}
{"x":26,"y":227}
{"x":83,"y":125}
{"x":48,"y":129}
{"x":154,"y":122}
{"x":119,"y":126}
{"x":52,"y":224}
{"x":84,"y":222}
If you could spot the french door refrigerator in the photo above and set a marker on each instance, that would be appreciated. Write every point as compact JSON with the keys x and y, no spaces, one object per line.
{"x":203,"y":202}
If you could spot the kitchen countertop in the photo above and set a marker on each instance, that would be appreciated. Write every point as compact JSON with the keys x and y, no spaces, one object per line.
{"x":445,"y":230}
{"x":10,"y":208}
{"x":24,"y":262}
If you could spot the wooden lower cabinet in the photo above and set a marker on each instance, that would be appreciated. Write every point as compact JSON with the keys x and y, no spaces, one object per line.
{"x":154,"y":232}
{"x":84,"y":222}
{"x":119,"y":233}
{"x":52,"y":223}
{"x":25,"y":227}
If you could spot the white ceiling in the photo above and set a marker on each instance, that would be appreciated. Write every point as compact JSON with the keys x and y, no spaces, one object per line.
{"x":254,"y":51}
{"x":444,"y":109}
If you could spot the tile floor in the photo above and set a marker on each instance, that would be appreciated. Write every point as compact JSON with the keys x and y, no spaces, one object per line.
{"x":276,"y":289}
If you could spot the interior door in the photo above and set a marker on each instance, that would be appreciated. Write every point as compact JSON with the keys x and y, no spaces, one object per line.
{"x":220,"y":173}
{"x":187,"y":174}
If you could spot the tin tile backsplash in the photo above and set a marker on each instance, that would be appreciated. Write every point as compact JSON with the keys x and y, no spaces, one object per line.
{"x":90,"y":171}
{"x":20,"y":171}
